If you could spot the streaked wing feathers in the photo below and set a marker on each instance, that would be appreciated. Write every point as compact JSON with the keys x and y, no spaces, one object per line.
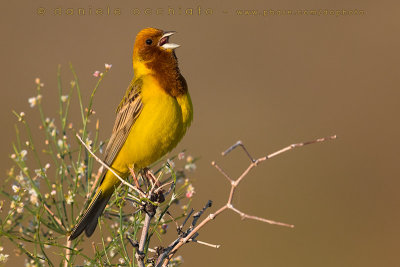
{"x":127,"y":113}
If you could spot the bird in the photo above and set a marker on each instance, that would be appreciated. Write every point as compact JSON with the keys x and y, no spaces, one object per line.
{"x":151,"y":119}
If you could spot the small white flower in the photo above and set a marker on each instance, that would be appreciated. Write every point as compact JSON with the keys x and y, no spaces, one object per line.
{"x":60,"y":143}
{"x":47,"y":166}
{"x":96,"y":73}
{"x":1,"y":248}
{"x":37,"y":81}
{"x":39,"y":173}
{"x":108,"y":66}
{"x":30,"y":263}
{"x":190,"y":167}
{"x":87,"y":263}
{"x":20,"y":210}
{"x":53,"y":192}
{"x":34,"y":197}
{"x":13,"y":156}
{"x":3,"y":257}
{"x":70,"y":197}
{"x":121,"y":260}
{"x":23,"y":154}
{"x":21,"y":116}
{"x":88,"y":142}
{"x":15,"y":188}
{"x":32,"y":101}
{"x":81,"y":169}
{"x":64,"y":98}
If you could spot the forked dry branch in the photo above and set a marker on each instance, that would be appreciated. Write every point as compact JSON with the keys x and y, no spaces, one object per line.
{"x":192,"y":232}
{"x":164,"y":255}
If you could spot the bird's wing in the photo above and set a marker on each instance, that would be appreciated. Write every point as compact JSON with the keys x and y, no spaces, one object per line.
{"x":127,"y":113}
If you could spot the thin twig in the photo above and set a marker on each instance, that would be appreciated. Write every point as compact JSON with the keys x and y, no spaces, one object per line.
{"x":111,"y":170}
{"x":156,"y":182}
{"x":186,"y":219}
{"x":319,"y":140}
{"x":172,"y":219}
{"x":132,"y":171}
{"x":204,"y":243}
{"x":161,"y":187}
{"x":246,"y":216}
{"x":238,"y":143}
{"x":54,"y":216}
{"x":213,"y":163}
{"x":197,"y":215}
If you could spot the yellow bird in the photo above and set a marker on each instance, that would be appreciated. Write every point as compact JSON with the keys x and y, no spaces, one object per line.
{"x":151,"y":119}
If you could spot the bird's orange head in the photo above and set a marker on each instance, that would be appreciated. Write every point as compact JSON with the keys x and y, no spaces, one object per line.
{"x":152,"y":48}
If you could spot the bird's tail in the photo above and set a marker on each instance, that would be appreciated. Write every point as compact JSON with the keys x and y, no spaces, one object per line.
{"x":88,"y":221}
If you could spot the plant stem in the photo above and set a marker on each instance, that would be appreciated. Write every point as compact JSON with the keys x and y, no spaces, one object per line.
{"x":143,"y":238}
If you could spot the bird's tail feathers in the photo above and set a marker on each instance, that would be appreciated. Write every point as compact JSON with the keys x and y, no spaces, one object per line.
{"x":88,"y":221}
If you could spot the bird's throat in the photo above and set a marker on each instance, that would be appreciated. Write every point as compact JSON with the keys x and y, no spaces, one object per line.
{"x":166,"y":71}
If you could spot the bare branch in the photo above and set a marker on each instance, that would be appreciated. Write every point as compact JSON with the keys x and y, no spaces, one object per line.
{"x":197,"y":215}
{"x":140,"y":250}
{"x":156,"y":182}
{"x":204,"y":243}
{"x":213,"y":163}
{"x":238,"y":143}
{"x":145,"y":230}
{"x":190,"y":234}
{"x":292,"y":146}
{"x":134,"y":178}
{"x":53,"y":215}
{"x":246,"y":216}
{"x":186,"y":219}
{"x":161,"y":187}
{"x":67,"y":253}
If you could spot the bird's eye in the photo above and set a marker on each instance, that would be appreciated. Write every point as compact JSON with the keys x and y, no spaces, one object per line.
{"x":149,"y":41}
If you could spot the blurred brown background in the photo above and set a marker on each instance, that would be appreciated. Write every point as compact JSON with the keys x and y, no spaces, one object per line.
{"x":267,"y":80}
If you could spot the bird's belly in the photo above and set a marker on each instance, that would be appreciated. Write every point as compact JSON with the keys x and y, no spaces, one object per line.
{"x":157,"y":131}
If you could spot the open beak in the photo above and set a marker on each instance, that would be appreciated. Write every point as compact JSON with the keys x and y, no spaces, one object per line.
{"x":164,"y":41}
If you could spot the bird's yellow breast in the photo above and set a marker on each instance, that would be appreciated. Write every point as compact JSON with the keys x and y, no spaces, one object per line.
{"x":160,"y":126}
